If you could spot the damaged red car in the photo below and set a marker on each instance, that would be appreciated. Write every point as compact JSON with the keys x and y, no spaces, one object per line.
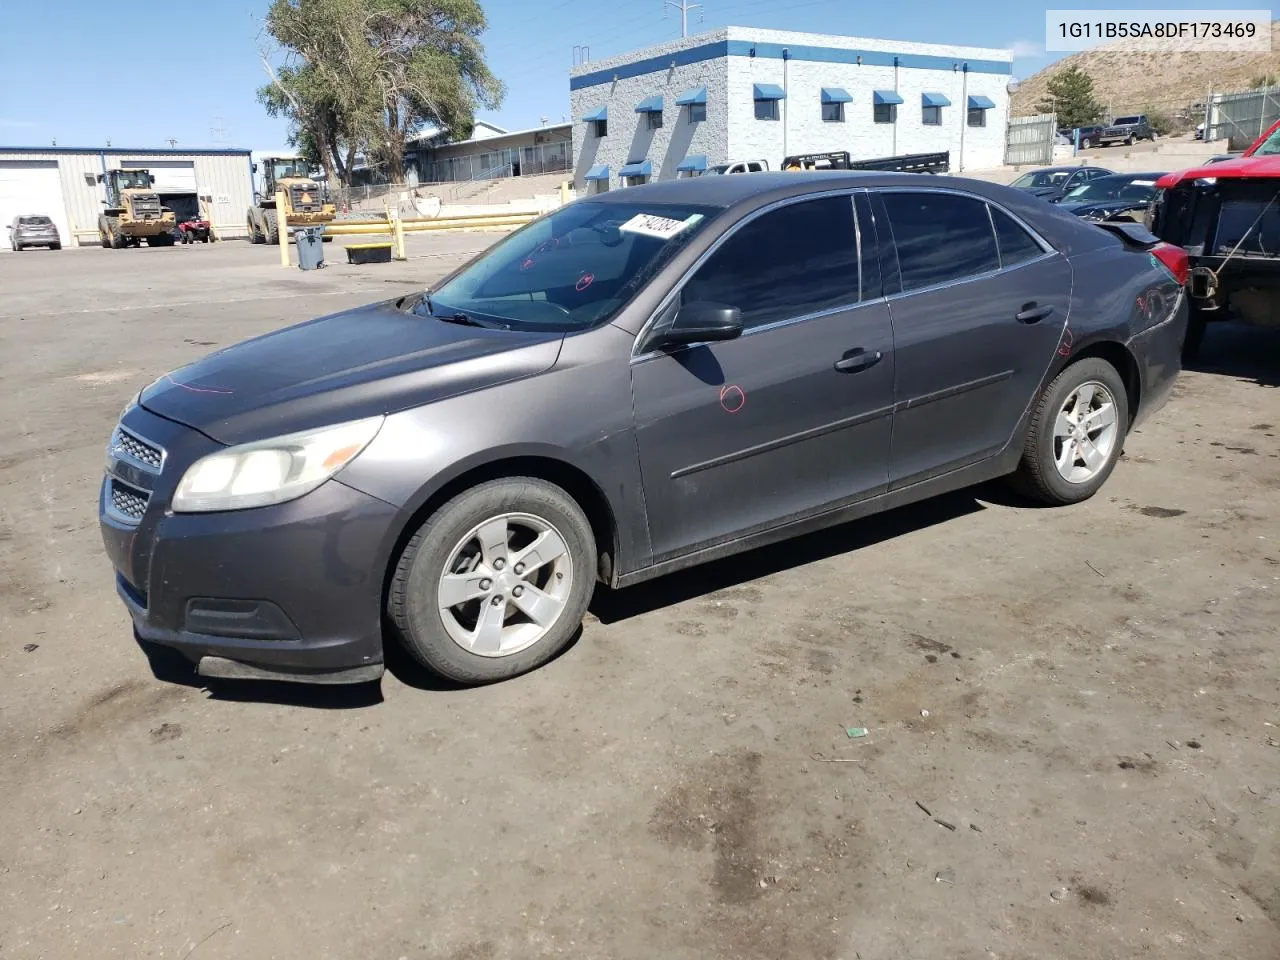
{"x":1227,"y":217}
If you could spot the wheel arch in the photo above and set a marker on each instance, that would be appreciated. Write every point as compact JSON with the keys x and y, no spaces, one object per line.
{"x":1119,"y":356}
{"x":575,"y":481}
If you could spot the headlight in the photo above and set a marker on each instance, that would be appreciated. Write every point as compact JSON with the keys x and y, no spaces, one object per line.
{"x":133,"y":402}
{"x":271,"y":471}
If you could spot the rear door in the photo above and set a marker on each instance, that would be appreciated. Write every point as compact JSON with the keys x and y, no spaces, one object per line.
{"x":979,"y":306}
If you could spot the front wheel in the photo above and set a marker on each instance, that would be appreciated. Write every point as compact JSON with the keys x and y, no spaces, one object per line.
{"x":496,"y":582}
{"x":1086,"y":143}
{"x":1077,"y":434}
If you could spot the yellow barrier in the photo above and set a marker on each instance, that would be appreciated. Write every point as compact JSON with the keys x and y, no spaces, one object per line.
{"x":282,"y":227}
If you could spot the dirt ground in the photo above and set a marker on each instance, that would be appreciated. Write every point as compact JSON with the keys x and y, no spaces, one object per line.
{"x":1073,"y":715}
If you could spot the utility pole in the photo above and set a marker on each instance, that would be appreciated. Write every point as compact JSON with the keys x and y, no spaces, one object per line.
{"x":684,"y":6}
{"x":172,"y":143}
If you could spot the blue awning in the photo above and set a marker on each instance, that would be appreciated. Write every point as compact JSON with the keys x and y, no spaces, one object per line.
{"x":601,"y":114}
{"x":650,"y":105}
{"x":694,"y":163}
{"x":934,"y":100}
{"x":689,"y":97}
{"x":883,"y":97}
{"x":768,"y":91}
{"x":642,"y":169}
{"x":599,"y":172}
{"x":980,"y":103}
{"x":836,"y":95}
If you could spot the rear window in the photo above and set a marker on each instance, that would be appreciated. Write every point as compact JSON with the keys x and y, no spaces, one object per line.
{"x":940,"y":238}
{"x":1042,"y":178}
{"x":34,"y":221}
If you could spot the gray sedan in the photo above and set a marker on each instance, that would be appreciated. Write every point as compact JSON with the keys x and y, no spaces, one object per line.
{"x":634,"y":384}
{"x":33,"y":230}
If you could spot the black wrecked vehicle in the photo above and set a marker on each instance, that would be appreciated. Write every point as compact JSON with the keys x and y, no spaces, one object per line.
{"x":1052,"y":183}
{"x":1122,"y":196}
{"x":632,"y":385}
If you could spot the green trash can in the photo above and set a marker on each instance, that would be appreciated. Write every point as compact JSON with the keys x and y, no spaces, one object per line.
{"x":310,"y":241}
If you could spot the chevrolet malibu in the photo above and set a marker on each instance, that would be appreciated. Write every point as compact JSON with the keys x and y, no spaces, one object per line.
{"x":631,"y":385}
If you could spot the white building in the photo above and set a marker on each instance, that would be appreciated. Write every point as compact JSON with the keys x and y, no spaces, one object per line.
{"x":62,"y":184}
{"x":746,"y":94}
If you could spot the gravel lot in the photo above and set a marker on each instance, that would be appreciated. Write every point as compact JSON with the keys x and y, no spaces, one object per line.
{"x":1074,"y":714}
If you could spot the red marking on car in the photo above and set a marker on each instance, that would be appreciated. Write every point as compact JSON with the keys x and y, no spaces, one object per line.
{"x":527,"y":264}
{"x":584,"y":281}
{"x":732,"y":398}
{"x":1064,"y":348}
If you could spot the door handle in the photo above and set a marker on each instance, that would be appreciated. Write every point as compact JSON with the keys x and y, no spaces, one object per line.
{"x":858,"y":359}
{"x":1031,"y":313}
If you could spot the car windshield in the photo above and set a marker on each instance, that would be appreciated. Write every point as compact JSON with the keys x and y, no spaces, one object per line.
{"x":572,"y":269}
{"x":1042,"y":178}
{"x":1113,"y":188}
{"x":1270,"y":146}
{"x":34,"y":221}
{"x":134,"y":179}
{"x":1126,"y":121}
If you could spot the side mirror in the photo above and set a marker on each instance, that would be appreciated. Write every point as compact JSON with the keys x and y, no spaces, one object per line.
{"x":701,"y":322}
{"x":253,"y":168}
{"x":152,"y":178}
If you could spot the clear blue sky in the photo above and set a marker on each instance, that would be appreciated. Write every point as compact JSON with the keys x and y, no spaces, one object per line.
{"x":202,"y":93}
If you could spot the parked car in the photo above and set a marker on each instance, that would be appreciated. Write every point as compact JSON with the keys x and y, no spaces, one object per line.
{"x":1127,"y":130}
{"x":1052,"y":183}
{"x":1089,"y":136}
{"x":33,"y":230}
{"x":1119,"y":196}
{"x":739,"y":166}
{"x":1227,"y":215}
{"x":635,"y":383}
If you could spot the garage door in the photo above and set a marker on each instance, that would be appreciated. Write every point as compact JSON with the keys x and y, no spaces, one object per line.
{"x":172,"y":176}
{"x":31,"y":186}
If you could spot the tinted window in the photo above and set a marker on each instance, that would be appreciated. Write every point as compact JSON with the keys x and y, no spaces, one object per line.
{"x":1126,"y":121}
{"x":798,"y":259}
{"x":766,"y":109}
{"x":1016,"y":245}
{"x":940,"y":237}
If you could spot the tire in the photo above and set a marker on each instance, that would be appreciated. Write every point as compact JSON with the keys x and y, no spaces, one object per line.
{"x":118,"y":239}
{"x":252,"y":227}
{"x":441,"y":542}
{"x":55,"y":246}
{"x":17,"y":247}
{"x":273,"y":229}
{"x":1039,"y":475}
{"x":1086,"y":143}
{"x":1129,"y":141}
{"x":1194,"y":338}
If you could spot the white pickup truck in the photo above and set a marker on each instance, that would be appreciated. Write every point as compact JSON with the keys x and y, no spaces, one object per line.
{"x":740,"y":166}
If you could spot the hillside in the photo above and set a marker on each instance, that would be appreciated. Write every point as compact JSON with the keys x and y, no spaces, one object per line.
{"x":1133,"y":81}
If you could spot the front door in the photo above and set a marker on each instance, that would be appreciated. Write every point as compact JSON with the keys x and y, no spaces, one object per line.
{"x":976,"y":325}
{"x":790,"y":418}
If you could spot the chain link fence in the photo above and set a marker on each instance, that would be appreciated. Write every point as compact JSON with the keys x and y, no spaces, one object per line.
{"x":1238,"y":119}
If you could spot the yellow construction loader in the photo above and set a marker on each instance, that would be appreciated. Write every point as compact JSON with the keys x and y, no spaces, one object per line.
{"x":133,"y":212}
{"x":305,"y":202}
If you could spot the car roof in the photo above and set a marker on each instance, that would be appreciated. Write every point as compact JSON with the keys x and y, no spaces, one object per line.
{"x":1132,"y":176}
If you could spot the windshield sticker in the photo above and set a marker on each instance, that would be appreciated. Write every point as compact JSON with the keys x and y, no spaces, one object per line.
{"x":663,"y":228}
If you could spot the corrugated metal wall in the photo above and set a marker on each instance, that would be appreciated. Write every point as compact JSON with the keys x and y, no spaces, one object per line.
{"x":1030,"y":139}
{"x":224,"y":177}
{"x":1240,"y":118}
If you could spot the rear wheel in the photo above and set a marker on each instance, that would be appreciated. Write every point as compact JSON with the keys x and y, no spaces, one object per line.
{"x":17,"y":247}
{"x":1086,"y":143}
{"x":1077,"y":434}
{"x":496,"y":582}
{"x":55,"y":246}
{"x":273,"y":229}
{"x":118,"y":239}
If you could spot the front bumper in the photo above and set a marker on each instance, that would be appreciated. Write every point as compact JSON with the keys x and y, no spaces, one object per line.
{"x":292,"y":591}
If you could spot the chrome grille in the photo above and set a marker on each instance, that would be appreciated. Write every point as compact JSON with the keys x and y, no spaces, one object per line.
{"x":127,"y":445}
{"x":127,"y":503}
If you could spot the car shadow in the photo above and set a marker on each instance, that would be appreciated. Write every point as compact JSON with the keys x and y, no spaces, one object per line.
{"x":1236,"y":350}
{"x":611,"y":606}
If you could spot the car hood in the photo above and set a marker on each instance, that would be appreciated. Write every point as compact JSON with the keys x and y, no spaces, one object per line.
{"x":359,"y":363}
{"x":1241,"y":167}
{"x":1040,"y":191}
{"x":1082,"y":207}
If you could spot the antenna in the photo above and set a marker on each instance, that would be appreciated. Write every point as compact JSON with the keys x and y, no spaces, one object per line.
{"x":581,"y":54}
{"x":171,"y":142}
{"x":218,"y":131}
{"x":684,"y":6}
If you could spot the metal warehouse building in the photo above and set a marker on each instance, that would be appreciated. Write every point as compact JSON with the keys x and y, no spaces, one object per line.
{"x":744,"y":94}
{"x":62,"y":183}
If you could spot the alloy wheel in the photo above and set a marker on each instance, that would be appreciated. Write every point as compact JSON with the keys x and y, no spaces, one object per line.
{"x":1085,"y":432}
{"x":505,"y":585}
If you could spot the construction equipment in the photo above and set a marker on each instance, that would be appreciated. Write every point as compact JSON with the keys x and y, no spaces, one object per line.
{"x":134,"y":212}
{"x":305,"y":202}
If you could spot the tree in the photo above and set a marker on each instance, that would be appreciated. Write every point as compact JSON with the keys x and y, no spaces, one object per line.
{"x":370,"y":73}
{"x":319,"y":129}
{"x":1070,"y":96}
